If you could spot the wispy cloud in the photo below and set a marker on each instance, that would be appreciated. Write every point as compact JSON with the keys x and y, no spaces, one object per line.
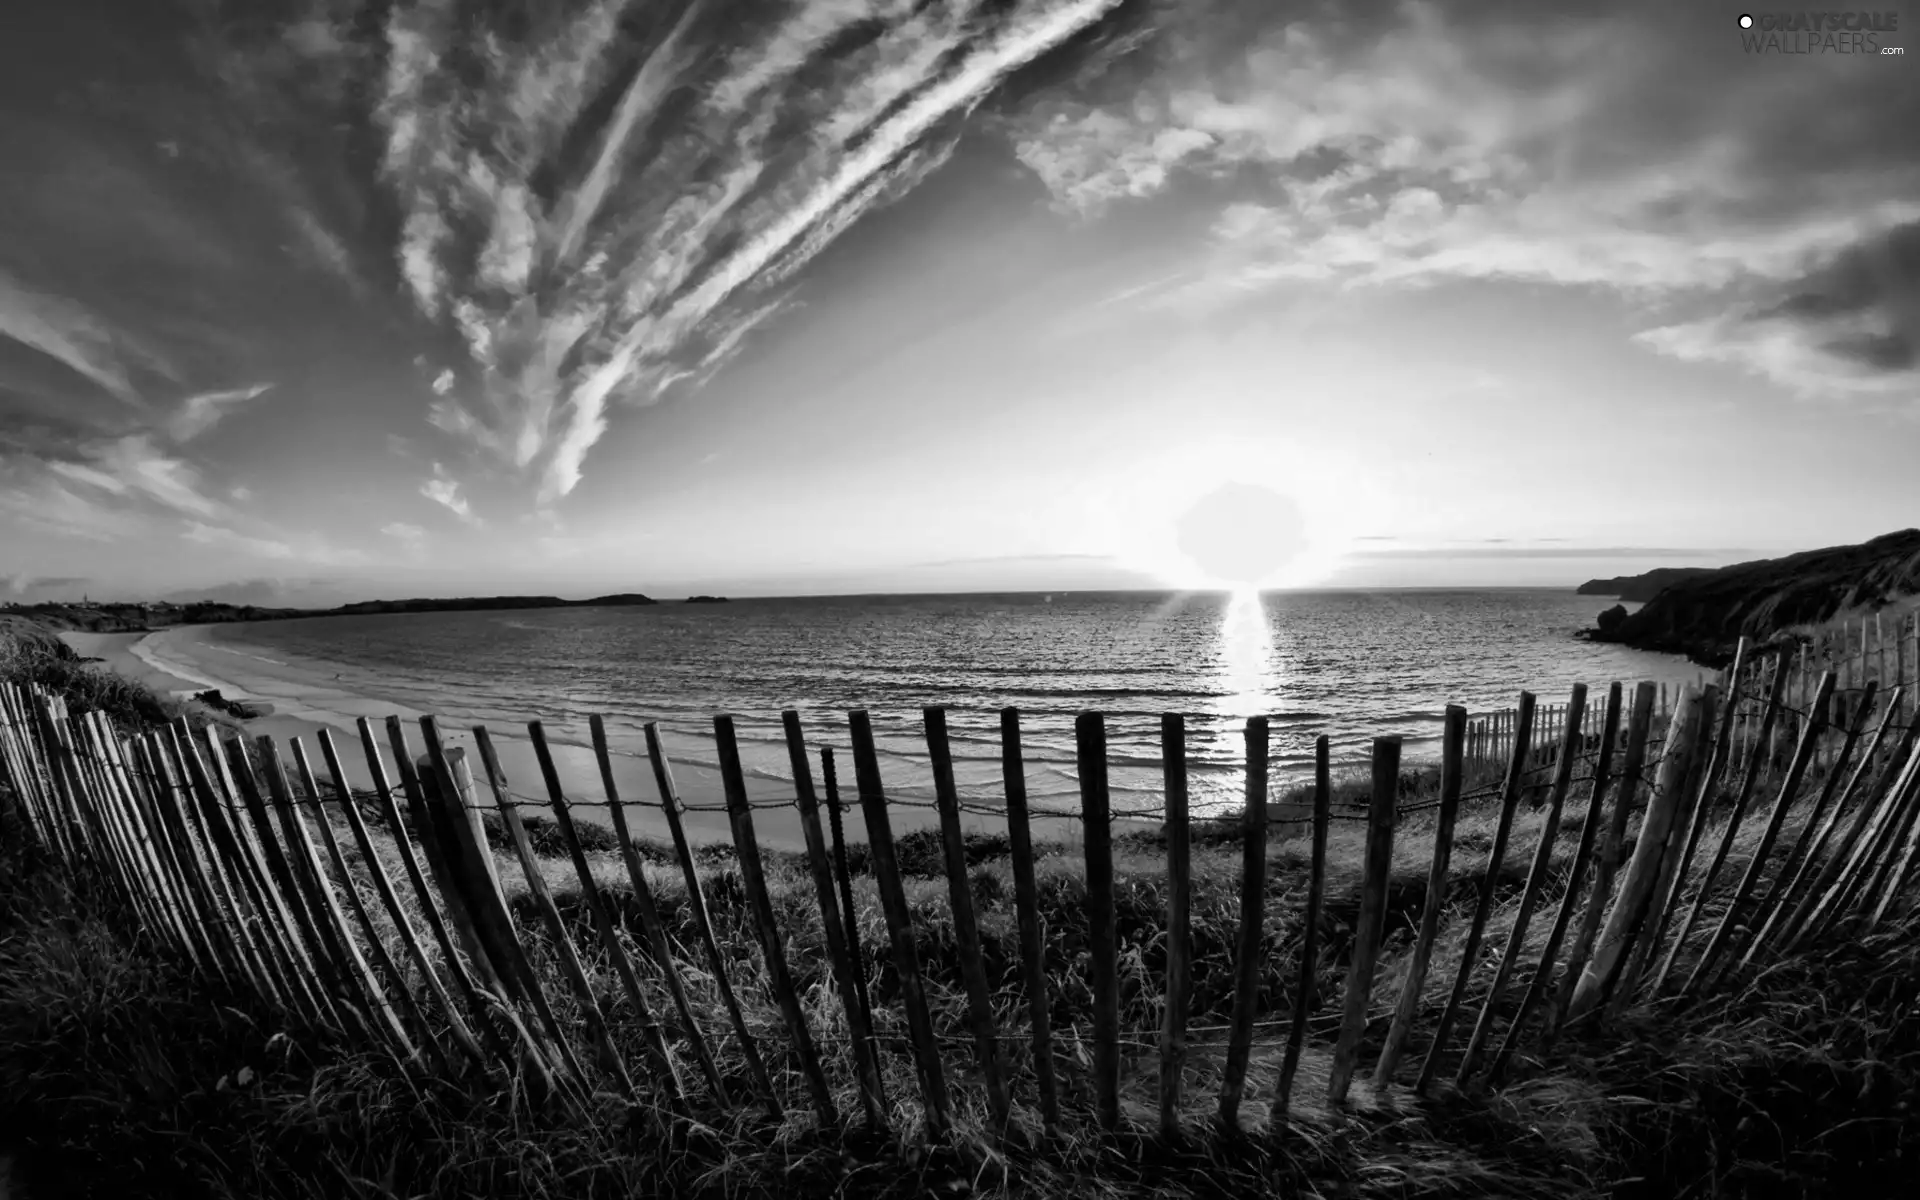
{"x":444,"y":490}
{"x":1434,"y":141}
{"x":202,"y":412}
{"x":586,"y":254}
{"x":133,"y":467}
{"x":69,"y":333}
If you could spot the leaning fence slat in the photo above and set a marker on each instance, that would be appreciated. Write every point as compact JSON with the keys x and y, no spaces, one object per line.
{"x":1769,"y":907}
{"x":1636,"y":889}
{"x":1725,"y":933}
{"x":873,"y":1098}
{"x":703,"y":925}
{"x":1033,"y":948}
{"x":362,"y":985}
{"x":1433,"y":905}
{"x":1883,"y":873}
{"x":150,"y":804}
{"x":1371,"y":926}
{"x":1666,"y":888}
{"x":376,"y":871}
{"x":1310,"y":937}
{"x":230,"y":897}
{"x":1530,"y":893}
{"x":1899,"y":871}
{"x":563,"y":947}
{"x":285,"y":914}
{"x":1836,"y":876}
{"x":354,"y":982}
{"x":328,"y":956}
{"x":234,"y":856}
{"x":599,"y":908}
{"x":118,"y":799}
{"x":1782,"y":665}
{"x":1253,"y":912}
{"x":446,"y":786}
{"x":1782,"y":920}
{"x":376,"y":946}
{"x":1576,"y":871}
{"x":753,"y":881}
{"x":1173,"y":1021}
{"x":843,"y":879}
{"x":1877,"y":853}
{"x":1103,"y":968}
{"x":1510,"y":790}
{"x":966,"y":930}
{"x":468,"y":987}
{"x":899,"y":918}
{"x":126,"y":864}
{"x":153,"y":806}
{"x":651,"y":923}
{"x":435,"y":832}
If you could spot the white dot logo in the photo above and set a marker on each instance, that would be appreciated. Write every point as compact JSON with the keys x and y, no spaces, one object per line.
{"x":1746,"y":22}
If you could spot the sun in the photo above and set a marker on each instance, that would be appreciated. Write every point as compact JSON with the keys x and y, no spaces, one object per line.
{"x":1219,"y":512}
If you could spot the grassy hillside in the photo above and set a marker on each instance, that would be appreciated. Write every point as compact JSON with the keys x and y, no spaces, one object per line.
{"x":126,"y":1076}
{"x":1704,"y":617}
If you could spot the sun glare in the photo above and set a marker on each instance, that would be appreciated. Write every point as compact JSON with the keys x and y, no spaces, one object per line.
{"x":1220,"y":514}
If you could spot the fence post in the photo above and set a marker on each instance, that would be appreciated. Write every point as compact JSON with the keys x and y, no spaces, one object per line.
{"x":966,"y":930}
{"x":843,"y":953}
{"x":703,"y":923}
{"x":1576,"y":871}
{"x":893,"y":902}
{"x":1694,"y":793}
{"x":1090,"y":739}
{"x":1530,"y":893}
{"x":1253,"y":907}
{"x":1434,"y":903}
{"x":1173,"y":1023}
{"x":445,"y":785}
{"x":1310,"y":939}
{"x":1033,"y":947}
{"x":1373,"y":914}
{"x":1837,"y":877}
{"x":1636,"y":890}
{"x":760,"y":905}
{"x":1774,"y":904}
{"x":1489,"y":883}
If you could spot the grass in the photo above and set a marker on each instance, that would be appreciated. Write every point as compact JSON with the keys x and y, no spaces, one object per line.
{"x":129,"y":1076}
{"x":35,"y":656}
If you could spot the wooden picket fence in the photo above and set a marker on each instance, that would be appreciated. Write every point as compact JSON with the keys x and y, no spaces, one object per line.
{"x":244,"y":869}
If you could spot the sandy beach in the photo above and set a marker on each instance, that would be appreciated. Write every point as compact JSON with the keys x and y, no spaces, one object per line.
{"x":303,"y":699}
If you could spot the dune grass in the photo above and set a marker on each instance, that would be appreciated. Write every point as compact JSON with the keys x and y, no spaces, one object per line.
{"x":121,"y":1064}
{"x":122,"y":1073}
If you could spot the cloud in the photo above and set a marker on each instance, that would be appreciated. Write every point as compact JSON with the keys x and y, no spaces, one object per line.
{"x":70,"y":334}
{"x":1426,"y":141}
{"x":598,"y":203}
{"x":444,"y":490}
{"x":1550,"y":552}
{"x":21,"y":585}
{"x":400,"y":531}
{"x":214,"y":535}
{"x":1849,"y":330}
{"x":199,"y":413}
{"x":132,"y":468}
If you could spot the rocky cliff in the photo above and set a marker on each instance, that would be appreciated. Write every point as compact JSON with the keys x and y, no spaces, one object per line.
{"x":1704,"y":616}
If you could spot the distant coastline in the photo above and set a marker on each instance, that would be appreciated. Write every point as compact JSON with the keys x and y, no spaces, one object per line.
{"x":144,"y":618}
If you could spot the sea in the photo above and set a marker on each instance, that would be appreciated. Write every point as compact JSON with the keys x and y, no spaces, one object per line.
{"x":1353,"y":665}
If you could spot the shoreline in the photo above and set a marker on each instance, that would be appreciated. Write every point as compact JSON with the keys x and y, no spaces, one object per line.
{"x":181,"y":660}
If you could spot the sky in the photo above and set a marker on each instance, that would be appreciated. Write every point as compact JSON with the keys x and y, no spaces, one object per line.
{"x":305,"y":301}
